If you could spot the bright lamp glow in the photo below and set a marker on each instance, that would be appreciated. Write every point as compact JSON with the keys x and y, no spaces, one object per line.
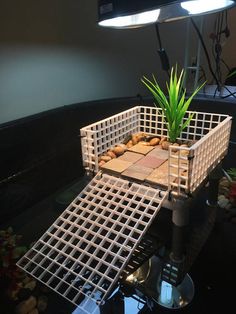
{"x":166,"y":294}
{"x":134,"y":20}
{"x":202,"y":6}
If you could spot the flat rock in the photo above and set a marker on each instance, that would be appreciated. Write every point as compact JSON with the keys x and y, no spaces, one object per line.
{"x":159,"y":153}
{"x":150,"y":162}
{"x":141,"y":149}
{"x":131,"y":156}
{"x":159,"y":175}
{"x":137,"y":172}
{"x":116,"y":165}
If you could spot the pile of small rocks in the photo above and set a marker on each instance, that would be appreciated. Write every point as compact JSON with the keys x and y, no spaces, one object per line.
{"x":227,"y":199}
{"x":20,"y":293}
{"x":139,"y":138}
{"x":31,"y":299}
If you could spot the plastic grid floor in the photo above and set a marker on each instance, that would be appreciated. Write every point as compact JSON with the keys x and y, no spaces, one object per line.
{"x":82,"y":255}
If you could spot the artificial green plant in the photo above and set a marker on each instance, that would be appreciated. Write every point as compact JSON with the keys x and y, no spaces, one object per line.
{"x":175,"y":105}
{"x":232,"y":74}
{"x":232,"y":173}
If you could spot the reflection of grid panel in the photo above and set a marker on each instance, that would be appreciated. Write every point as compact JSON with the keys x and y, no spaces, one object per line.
{"x":143,"y":252}
{"x":86,"y":249}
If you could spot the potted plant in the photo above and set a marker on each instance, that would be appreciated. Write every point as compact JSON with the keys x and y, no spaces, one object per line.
{"x":174,"y":105}
{"x":232,"y":190}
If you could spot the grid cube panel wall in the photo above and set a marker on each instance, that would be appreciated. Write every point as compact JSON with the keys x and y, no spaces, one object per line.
{"x":152,"y":121}
{"x":99,"y":137}
{"x":209,"y":151}
{"x":211,"y":133}
{"x":179,"y":169}
{"x":201,"y":124}
{"x":184,"y":176}
{"x":83,"y":254}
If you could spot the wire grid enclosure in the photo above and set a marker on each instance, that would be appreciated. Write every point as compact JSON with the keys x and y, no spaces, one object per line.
{"x":82,"y":255}
{"x":97,"y":138}
{"x":210,"y":131}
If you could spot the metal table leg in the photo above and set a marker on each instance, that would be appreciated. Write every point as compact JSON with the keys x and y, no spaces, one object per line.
{"x":176,"y":287}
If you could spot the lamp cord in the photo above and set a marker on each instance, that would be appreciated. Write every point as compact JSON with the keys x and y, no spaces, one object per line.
{"x":158,"y":36}
{"x":209,"y":63}
{"x":162,"y":53}
{"x":206,"y":52}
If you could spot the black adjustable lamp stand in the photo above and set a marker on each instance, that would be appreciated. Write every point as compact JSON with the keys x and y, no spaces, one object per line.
{"x":138,"y":13}
{"x":162,"y":53}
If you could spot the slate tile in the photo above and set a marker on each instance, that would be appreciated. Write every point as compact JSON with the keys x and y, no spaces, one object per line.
{"x":159,"y":175}
{"x":159,"y":153}
{"x":141,"y":149}
{"x":137,"y":172}
{"x":150,"y":162}
{"x":131,"y":156}
{"x":116,"y":165}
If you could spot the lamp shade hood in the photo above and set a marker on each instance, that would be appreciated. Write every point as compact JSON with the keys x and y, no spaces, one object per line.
{"x":137,"y":13}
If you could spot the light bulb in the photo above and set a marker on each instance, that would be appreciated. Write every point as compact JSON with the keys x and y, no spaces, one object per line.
{"x":134,"y":20}
{"x":203,"y":6}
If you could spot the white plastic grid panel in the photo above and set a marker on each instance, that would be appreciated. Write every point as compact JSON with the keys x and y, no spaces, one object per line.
{"x":97,"y":138}
{"x":82,"y":255}
{"x":101,"y":136}
{"x":208,"y":152}
{"x":152,"y":122}
{"x":179,"y":169}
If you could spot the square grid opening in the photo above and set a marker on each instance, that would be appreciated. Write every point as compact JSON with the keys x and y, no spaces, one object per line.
{"x":83,"y":254}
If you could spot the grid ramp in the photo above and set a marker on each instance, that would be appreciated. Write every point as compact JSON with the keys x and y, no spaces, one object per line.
{"x":83,"y":254}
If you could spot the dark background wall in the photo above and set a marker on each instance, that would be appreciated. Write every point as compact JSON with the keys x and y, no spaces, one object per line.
{"x":52,"y":54}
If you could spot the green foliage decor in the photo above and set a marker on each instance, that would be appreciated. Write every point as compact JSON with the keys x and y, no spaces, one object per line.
{"x":233,"y":73}
{"x":175,"y":105}
{"x":232,"y":173}
{"x":232,"y":191}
